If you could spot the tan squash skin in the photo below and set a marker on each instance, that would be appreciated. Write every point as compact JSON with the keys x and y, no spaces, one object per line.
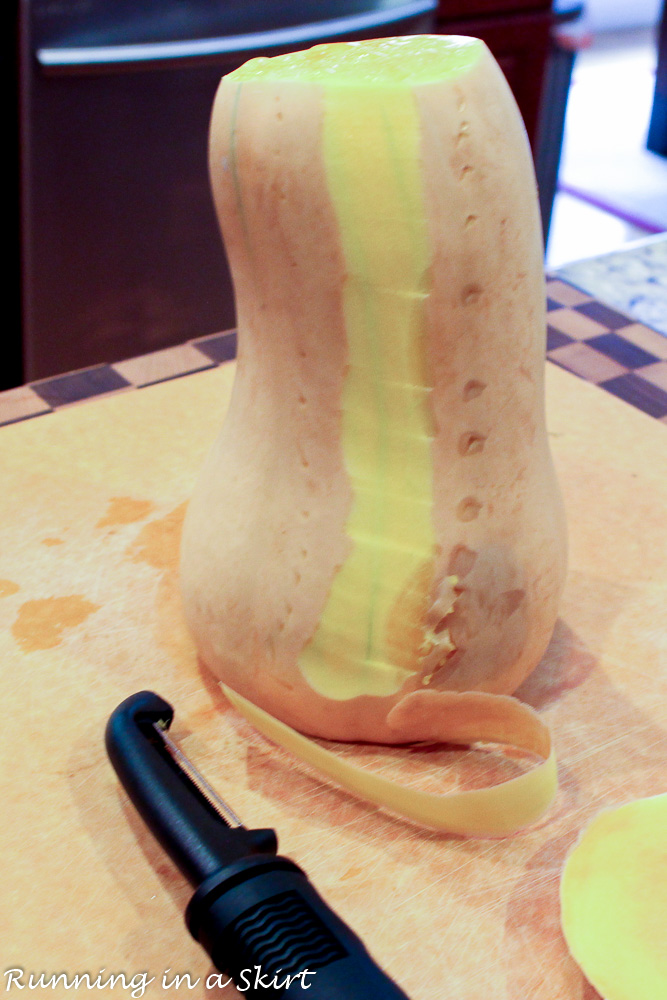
{"x":487,"y":341}
{"x":265,"y":530}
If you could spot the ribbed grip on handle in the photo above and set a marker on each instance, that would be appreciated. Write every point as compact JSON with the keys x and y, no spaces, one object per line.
{"x":285,"y":938}
{"x":263,"y":924}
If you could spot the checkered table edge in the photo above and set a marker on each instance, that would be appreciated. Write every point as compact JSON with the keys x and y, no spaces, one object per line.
{"x":586,"y":337}
{"x":53,"y":393}
{"x":606,"y":347}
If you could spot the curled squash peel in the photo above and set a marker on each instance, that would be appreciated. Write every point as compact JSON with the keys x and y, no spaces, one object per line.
{"x":376,"y":540}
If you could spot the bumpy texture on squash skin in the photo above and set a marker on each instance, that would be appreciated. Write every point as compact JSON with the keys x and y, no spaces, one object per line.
{"x":278,"y":516}
{"x":614,"y":901}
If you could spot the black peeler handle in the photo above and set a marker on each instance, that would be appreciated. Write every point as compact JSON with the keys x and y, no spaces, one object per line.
{"x":254,"y":912}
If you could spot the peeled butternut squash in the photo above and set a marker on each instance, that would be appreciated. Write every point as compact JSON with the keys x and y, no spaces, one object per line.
{"x":376,"y":541}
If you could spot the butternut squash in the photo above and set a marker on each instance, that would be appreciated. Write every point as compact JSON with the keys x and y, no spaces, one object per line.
{"x":375,"y":547}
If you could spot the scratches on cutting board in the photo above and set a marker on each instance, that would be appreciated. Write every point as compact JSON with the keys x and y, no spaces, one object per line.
{"x":8,"y":587}
{"x":125,"y":510}
{"x":158,"y":542}
{"x":40,"y":623}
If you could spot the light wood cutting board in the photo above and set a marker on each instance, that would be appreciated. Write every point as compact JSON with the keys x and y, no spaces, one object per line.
{"x":90,"y":510}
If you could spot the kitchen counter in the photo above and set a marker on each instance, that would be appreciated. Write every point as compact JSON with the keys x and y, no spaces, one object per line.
{"x":633,"y":280}
{"x":90,"y":512}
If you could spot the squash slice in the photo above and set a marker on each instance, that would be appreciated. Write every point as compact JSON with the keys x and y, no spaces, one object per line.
{"x":614,"y":901}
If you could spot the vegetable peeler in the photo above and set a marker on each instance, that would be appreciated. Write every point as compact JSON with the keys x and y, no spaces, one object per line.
{"x":254,"y":912}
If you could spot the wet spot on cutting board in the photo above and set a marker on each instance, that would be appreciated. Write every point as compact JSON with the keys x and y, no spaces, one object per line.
{"x":125,"y":510}
{"x":158,"y":542}
{"x":40,"y":624}
{"x":52,"y":541}
{"x":8,"y":587}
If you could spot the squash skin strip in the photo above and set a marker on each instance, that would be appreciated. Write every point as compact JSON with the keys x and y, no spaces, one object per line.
{"x":496,"y":811}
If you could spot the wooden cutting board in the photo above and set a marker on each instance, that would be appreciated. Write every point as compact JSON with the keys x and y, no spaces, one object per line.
{"x":90,"y":511}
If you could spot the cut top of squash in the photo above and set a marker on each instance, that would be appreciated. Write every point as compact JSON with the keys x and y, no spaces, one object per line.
{"x":421,"y":59}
